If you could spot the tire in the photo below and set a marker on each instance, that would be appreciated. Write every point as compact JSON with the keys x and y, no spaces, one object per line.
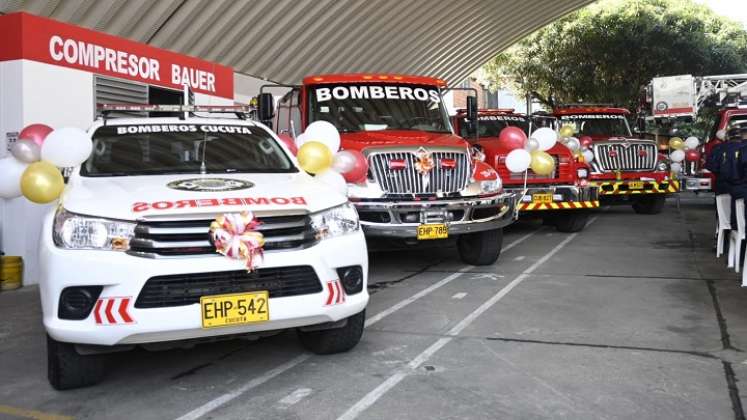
{"x":572,"y":221}
{"x":480,"y":248}
{"x":336,"y":340}
{"x":649,"y":205}
{"x":66,"y":369}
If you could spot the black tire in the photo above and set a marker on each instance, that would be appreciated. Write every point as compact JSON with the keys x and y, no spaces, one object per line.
{"x":66,"y":369}
{"x":335,"y":340}
{"x":652,"y":204}
{"x":480,"y":248}
{"x":572,"y":221}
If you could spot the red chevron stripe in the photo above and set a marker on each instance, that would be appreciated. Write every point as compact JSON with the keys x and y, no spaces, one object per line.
{"x":340,"y":295}
{"x":123,"y":310}
{"x":96,"y":313}
{"x":108,"y":311}
{"x":331,"y":297}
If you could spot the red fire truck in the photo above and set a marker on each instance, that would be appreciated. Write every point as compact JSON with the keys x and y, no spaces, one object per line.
{"x":564,"y":198}
{"x":624,"y":168}
{"x":395,"y":120}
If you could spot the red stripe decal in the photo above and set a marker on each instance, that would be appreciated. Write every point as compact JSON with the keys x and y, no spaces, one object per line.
{"x":340,"y":297}
{"x":108,"y":312}
{"x":123,"y":310}
{"x":331,"y":293}
{"x":96,"y":311}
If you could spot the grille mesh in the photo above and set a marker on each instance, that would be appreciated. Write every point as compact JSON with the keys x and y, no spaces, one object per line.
{"x":442,"y":179}
{"x":626,"y":156}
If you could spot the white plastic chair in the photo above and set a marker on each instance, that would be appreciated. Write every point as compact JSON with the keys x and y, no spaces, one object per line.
{"x":723,"y":209}
{"x":737,"y":236}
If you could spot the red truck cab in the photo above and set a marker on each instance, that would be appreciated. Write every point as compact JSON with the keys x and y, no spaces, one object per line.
{"x":396,"y":121}
{"x":564,"y":198}
{"x":704,"y":180}
{"x":624,"y":168}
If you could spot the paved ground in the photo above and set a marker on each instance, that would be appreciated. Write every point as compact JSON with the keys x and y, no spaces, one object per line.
{"x":632,"y":318}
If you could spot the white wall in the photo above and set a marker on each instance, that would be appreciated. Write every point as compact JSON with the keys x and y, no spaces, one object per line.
{"x":246,"y":87}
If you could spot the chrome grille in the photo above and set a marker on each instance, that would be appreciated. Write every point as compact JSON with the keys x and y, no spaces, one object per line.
{"x":625,"y":156}
{"x":408,"y":181}
{"x":191,"y":237}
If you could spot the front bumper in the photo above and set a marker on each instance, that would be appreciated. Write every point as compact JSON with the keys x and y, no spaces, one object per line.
{"x":123,"y":276}
{"x":638,"y":187}
{"x":564,"y":197}
{"x":400,"y":218}
{"x":694,"y":183}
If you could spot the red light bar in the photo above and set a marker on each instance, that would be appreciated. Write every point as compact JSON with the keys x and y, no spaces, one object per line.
{"x":176,"y":108}
{"x":448,"y":163}
{"x":397,"y":164}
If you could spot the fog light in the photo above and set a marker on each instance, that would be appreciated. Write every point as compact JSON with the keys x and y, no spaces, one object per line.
{"x":77,"y":302}
{"x":351,"y":278}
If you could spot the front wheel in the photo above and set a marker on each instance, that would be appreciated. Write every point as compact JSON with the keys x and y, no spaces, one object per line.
{"x":480,"y":248}
{"x":336,"y":340}
{"x":652,"y":204}
{"x":67,"y":369}
{"x":572,"y":221}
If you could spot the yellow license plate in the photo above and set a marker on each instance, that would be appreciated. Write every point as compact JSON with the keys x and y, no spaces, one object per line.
{"x":635,"y":185}
{"x":434,"y":231}
{"x":542,"y":198}
{"x":234,"y":309}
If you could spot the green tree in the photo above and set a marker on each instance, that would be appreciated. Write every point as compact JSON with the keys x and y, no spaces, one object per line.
{"x":607,"y":51}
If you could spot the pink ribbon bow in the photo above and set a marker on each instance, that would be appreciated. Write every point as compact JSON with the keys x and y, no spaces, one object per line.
{"x":234,"y":236}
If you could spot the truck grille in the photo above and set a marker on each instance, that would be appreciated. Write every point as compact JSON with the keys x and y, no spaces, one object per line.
{"x":191,"y":237}
{"x":625,"y":156}
{"x":443,"y":178}
{"x":186,"y":289}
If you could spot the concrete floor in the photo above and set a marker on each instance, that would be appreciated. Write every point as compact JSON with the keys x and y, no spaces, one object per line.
{"x":631,"y":318}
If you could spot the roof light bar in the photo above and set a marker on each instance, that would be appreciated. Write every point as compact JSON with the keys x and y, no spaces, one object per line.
{"x":176,"y":108}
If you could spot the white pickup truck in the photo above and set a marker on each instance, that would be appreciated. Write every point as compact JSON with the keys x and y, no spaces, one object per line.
{"x":127,"y":258}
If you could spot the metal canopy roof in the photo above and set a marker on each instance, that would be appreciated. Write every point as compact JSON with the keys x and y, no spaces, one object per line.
{"x":285,"y":40}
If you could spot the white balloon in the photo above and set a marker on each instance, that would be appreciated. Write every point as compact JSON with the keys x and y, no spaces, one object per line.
{"x":518,"y":160}
{"x":532,"y":144}
{"x":588,"y":156}
{"x":333,"y":180}
{"x":65,"y":147}
{"x":546,"y":137}
{"x":692,"y":142}
{"x":721,"y":134}
{"x":324,"y":132}
{"x":676,"y":167}
{"x":11,"y":170}
{"x":677,"y":156}
{"x":572,"y":143}
{"x":300,"y":140}
{"x":343,"y":162}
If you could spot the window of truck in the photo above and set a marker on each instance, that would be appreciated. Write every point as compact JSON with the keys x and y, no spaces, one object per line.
{"x":369,"y":107}
{"x":154,"y":149}
{"x":598,"y":124}
{"x":289,"y":114}
{"x":491,"y":125}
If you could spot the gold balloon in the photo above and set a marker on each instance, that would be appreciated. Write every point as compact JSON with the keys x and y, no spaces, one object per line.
{"x":676,"y":143}
{"x":42,"y":182}
{"x":542,"y":163}
{"x":567,"y":131}
{"x":314,"y":157}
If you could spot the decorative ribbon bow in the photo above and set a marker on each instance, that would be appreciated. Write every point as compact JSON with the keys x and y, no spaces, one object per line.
{"x":424,"y":165}
{"x":234,"y":236}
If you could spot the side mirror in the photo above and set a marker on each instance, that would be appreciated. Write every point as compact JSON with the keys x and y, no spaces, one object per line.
{"x":472,"y":108}
{"x":266,"y":104}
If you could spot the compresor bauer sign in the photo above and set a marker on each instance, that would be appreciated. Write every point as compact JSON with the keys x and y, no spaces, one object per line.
{"x":35,"y":38}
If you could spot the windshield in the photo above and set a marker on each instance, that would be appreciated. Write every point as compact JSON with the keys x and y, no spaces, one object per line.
{"x":598,"y":125}
{"x":368,"y":107}
{"x":491,"y":125}
{"x":184,"y":148}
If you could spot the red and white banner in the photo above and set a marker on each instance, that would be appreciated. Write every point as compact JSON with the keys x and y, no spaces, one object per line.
{"x":30,"y":37}
{"x":335,"y":293}
{"x":113,"y":311}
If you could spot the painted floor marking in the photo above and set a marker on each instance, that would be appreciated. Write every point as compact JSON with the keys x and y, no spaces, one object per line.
{"x":369,"y":399}
{"x":519,"y":258}
{"x":31,"y":414}
{"x":459,"y":295}
{"x":295,"y":396}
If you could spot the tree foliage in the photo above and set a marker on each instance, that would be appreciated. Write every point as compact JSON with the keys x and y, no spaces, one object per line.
{"x":607,"y":51}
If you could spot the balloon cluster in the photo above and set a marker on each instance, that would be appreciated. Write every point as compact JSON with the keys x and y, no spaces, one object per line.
{"x":529,"y":152}
{"x":32,"y":168}
{"x":318,"y":152}
{"x":683,"y":150}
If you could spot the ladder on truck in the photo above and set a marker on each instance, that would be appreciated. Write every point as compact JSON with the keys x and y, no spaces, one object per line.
{"x":727,"y":90}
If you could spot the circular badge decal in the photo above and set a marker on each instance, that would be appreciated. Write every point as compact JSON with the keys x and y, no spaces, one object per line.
{"x":209,"y":184}
{"x":662,"y":106}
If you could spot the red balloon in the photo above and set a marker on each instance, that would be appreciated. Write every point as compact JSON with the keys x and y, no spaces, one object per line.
{"x":585,"y":141}
{"x":289,"y":143}
{"x":513,"y":138}
{"x":359,"y":171}
{"x":35,"y":132}
{"x":692,"y":155}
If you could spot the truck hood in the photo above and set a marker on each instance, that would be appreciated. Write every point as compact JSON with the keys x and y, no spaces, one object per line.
{"x":399,"y":138}
{"x":607,"y":139}
{"x":139,"y":197}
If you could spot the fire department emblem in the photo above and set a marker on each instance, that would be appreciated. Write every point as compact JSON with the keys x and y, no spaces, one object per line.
{"x":210,"y":184}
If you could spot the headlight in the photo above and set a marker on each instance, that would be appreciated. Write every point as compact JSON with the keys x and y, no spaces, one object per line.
{"x":73,"y":231}
{"x":582,"y":172}
{"x":336,"y":221}
{"x":491,"y":186}
{"x":662,"y":166}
